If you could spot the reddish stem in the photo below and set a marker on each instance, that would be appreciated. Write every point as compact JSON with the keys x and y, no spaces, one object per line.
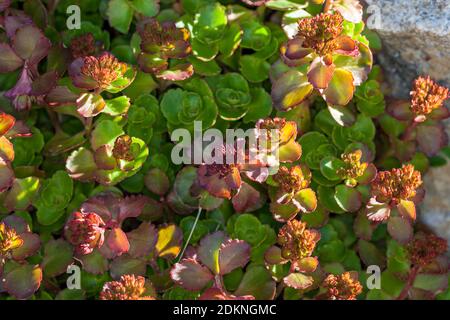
{"x":411,"y":277}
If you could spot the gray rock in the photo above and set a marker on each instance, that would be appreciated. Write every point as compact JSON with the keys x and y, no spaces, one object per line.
{"x":416,"y":41}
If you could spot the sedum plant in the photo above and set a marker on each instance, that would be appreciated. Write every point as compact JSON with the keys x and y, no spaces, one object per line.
{"x":330,"y":187}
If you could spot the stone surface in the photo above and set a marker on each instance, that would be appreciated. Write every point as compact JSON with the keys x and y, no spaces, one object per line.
{"x":416,"y":41}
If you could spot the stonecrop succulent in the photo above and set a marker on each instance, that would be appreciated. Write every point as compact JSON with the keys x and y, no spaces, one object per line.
{"x":319,"y":183}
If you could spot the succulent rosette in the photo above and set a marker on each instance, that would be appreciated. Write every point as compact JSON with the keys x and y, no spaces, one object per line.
{"x":355,"y":174}
{"x":161,"y":44}
{"x":112,"y":157}
{"x":345,"y":286}
{"x":320,"y":57}
{"x":194,"y":101}
{"x":290,"y":193}
{"x":96,"y":74}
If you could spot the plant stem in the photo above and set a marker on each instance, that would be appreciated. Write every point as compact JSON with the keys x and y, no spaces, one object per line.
{"x":409,"y":283}
{"x":190,"y":234}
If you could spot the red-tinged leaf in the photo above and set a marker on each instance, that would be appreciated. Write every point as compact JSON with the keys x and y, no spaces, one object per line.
{"x":17,"y":223}
{"x":44,"y":83}
{"x":247,"y":199}
{"x":9,"y":61}
{"x":58,"y":255}
{"x":407,"y":209}
{"x":30,"y":44}
{"x":157,"y":181}
{"x":342,"y":115}
{"x":23,"y":281}
{"x":283,"y":212}
{"x":308,"y":264}
{"x":20,"y":129}
{"x":114,"y":209}
{"x":127,"y":265}
{"x":142,"y":240}
{"x":440,"y":113}
{"x":290,"y":89}
{"x":208,"y":251}
{"x":170,"y":240}
{"x":370,"y":254}
{"x":104,"y":158}
{"x":349,"y":199}
{"x":31,"y":244}
{"x":377,"y":211}
{"x":233,"y":179}
{"x":116,"y":243}
{"x":81,"y":164}
{"x":94,"y":262}
{"x":290,"y":152}
{"x":340,"y":89}
{"x":258,"y":282}
{"x":16,"y":21}
{"x":294,"y":54}
{"x":298,"y":281}
{"x":89,"y":104}
{"x":6,"y":123}
{"x":273,"y":256}
{"x":431,"y":139}
{"x":6,"y":175}
{"x":400,"y":229}
{"x":177,"y":73}
{"x":233,"y":254}
{"x":218,"y":294}
{"x":431,"y":282}
{"x":362,"y":226}
{"x":400,"y":110}
{"x":78,"y":79}
{"x":306,"y":200}
{"x":320,"y":73}
{"x":190,"y":274}
{"x":6,"y":149}
{"x":61,"y":95}
{"x":369,"y":175}
{"x":347,"y":46}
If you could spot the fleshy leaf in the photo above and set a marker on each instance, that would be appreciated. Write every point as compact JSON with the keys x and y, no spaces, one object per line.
{"x":377,"y":211}
{"x":142,"y":240}
{"x":233,"y":254}
{"x":407,"y":209}
{"x":9,"y":61}
{"x":298,"y":281}
{"x":23,"y":281}
{"x":400,"y":229}
{"x":127,"y":265}
{"x":291,"y":89}
{"x":348,"y":198}
{"x":258,"y":282}
{"x":170,"y":239}
{"x":209,"y":249}
{"x":340,"y":89}
{"x":57,"y":257}
{"x":190,"y":274}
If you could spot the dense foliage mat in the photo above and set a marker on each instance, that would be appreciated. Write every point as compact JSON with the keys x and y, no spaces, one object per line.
{"x":94,"y":206}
